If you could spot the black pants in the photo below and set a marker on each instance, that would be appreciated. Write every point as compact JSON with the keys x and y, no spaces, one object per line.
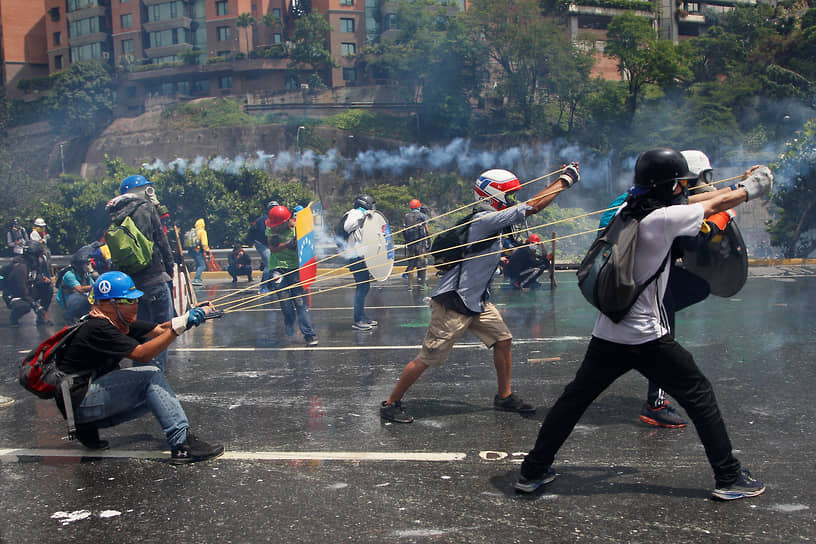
{"x":662,"y":361}
{"x":684,"y":289}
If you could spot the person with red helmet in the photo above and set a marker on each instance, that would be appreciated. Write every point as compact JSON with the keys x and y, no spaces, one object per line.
{"x":526,"y":264}
{"x":283,"y":264}
{"x":417,"y":241}
{"x":460,"y":300}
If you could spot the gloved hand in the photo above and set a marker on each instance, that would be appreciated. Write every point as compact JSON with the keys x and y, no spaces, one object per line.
{"x":571,"y":174}
{"x":759,"y":183}
{"x":187,"y":320}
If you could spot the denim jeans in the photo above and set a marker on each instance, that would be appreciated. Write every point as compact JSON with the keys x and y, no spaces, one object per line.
{"x":263,"y":251}
{"x":362,"y":278}
{"x":201,"y":264}
{"x":295,"y":307}
{"x":663,"y":361}
{"x":156,"y":306}
{"x":130,"y":393}
{"x":76,"y":305}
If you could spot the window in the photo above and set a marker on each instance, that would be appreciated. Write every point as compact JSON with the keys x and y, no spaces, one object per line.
{"x":58,"y":62}
{"x":54,"y":13}
{"x":225,"y":82}
{"x":223,"y":33}
{"x":348,"y":49}
{"x":163,"y":12}
{"x":126,"y":20}
{"x":74,"y":5}
{"x":276,"y":12}
{"x":349,"y":74}
{"x":346,"y":2}
{"x":390,"y":21}
{"x":86,"y":52}
{"x":202,"y":86}
{"x":222,"y":7}
{"x":277,"y":39}
{"x":167,"y":37}
{"x":83,"y":27}
{"x":346,"y":25}
{"x":127,"y":47}
{"x":57,"y":38}
{"x":123,"y":1}
{"x":130,"y":91}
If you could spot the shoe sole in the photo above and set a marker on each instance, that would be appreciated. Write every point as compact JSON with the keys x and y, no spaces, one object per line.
{"x":656,"y":423}
{"x":392,"y":420}
{"x":734,"y":495}
{"x":500,"y":409}
{"x":362,"y":328}
{"x":529,"y":488}
{"x":188,"y":460}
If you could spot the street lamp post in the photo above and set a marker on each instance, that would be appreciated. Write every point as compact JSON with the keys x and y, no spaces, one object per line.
{"x":300,"y":154}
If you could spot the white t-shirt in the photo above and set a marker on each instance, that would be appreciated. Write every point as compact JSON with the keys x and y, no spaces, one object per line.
{"x":646,"y":320}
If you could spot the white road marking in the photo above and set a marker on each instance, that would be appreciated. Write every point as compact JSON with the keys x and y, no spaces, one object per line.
{"x":246,"y":455}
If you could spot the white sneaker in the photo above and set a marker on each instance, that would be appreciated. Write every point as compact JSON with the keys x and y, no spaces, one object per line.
{"x":361,"y":326}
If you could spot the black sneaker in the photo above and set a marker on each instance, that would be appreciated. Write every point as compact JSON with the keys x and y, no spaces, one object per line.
{"x":528,"y":485}
{"x":193,"y":450}
{"x":311,"y":340}
{"x":512,"y":404}
{"x":664,"y":416}
{"x":744,"y":486}
{"x":88,"y":436}
{"x":395,"y":412}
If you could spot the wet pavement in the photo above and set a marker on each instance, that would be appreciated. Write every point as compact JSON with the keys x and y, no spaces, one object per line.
{"x":309,"y":460}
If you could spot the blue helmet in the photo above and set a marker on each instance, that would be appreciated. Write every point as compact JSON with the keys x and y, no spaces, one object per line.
{"x":298,"y":208}
{"x":132,"y":182}
{"x":114,"y":285}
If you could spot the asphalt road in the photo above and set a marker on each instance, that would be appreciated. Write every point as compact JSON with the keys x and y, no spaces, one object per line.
{"x":309,"y":460}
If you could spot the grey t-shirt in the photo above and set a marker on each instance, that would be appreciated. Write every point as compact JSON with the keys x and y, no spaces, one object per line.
{"x":470,"y":279}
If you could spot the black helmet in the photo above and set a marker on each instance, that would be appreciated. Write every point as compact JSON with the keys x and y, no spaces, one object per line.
{"x":271,"y":204}
{"x":34,"y":248}
{"x":659,"y":166}
{"x":364,"y":201}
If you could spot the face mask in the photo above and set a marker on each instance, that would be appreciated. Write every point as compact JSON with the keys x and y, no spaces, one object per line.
{"x":150,"y":193}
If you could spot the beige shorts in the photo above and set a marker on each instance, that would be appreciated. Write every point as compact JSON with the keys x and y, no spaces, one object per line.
{"x":447,"y":326}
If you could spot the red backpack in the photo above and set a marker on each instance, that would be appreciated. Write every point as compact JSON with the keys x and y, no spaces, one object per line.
{"x":38,"y":371}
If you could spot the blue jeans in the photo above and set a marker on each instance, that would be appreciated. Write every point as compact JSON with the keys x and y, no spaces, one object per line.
{"x":76,"y":305}
{"x":201,"y":264}
{"x":130,"y":393}
{"x":156,"y":306}
{"x":363,"y":280}
{"x":295,"y":306}
{"x":263,"y":251}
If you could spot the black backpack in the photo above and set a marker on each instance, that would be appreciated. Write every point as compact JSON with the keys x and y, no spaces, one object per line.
{"x":413,"y":226}
{"x":449,"y":247}
{"x":606,"y":274}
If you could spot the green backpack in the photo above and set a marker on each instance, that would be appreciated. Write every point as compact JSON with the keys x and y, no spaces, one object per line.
{"x":131,"y":251}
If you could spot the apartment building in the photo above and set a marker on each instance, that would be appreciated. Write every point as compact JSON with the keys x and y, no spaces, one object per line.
{"x":588,"y":19}
{"x":22,"y":43}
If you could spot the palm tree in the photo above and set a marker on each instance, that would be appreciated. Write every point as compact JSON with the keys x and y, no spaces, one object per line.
{"x":245,"y":20}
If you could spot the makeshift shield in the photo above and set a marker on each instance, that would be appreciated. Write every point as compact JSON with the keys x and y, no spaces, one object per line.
{"x":304,"y":231}
{"x":722,"y":261}
{"x":377,"y":246}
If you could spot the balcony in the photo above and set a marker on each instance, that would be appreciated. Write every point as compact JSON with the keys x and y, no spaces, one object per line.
{"x":87,"y":39}
{"x":167,"y":24}
{"x":226,"y":67}
{"x":85,"y":13}
{"x":167,"y":50}
{"x":611,"y":7}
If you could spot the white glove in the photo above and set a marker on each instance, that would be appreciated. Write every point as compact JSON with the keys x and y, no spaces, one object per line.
{"x":571,"y":174}
{"x":759,"y":183}
{"x":179,"y":324}
{"x":187,"y":320}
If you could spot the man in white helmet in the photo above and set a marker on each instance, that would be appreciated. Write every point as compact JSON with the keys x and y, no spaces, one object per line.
{"x":460,"y":300}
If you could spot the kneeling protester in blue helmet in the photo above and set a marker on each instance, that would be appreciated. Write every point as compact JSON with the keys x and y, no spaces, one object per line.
{"x":111,"y":332}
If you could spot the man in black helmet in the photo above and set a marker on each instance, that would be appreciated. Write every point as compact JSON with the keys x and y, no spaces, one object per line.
{"x":642,"y":340}
{"x":26,"y":288}
{"x":362,"y":206}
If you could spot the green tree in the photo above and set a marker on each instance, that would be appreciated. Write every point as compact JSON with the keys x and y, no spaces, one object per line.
{"x":82,"y":100}
{"x":245,"y":21}
{"x":310,"y":51}
{"x":432,"y":54}
{"x":522,"y":43}
{"x":794,"y":230}
{"x":642,"y":58}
